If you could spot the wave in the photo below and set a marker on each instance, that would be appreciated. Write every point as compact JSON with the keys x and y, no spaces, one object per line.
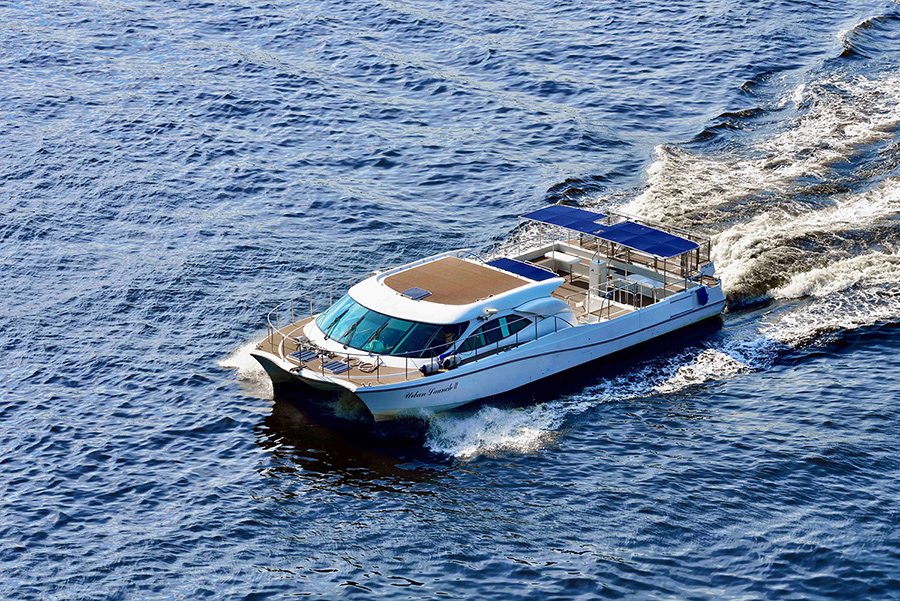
{"x":846,"y":311}
{"x":761,"y":256}
{"x":872,"y":270}
{"x":840,"y":116}
{"x":871,"y":37}
{"x":852,"y":293}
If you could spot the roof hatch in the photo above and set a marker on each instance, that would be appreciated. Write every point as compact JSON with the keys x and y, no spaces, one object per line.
{"x":415,"y":293}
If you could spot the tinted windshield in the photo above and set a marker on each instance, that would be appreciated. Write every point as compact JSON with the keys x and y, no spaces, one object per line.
{"x":354,"y":326}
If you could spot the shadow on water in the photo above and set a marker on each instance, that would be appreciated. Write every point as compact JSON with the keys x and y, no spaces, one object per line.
{"x":345,"y":413}
{"x":342,"y":451}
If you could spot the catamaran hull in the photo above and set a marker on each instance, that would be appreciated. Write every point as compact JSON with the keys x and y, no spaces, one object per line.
{"x":513,"y":368}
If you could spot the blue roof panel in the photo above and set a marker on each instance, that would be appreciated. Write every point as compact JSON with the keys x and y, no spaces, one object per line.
{"x":633,"y":235}
{"x":568,"y":217}
{"x":523,"y":269}
{"x":647,"y":239}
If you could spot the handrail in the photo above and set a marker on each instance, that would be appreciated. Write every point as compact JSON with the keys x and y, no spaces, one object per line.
{"x":545,"y":268}
{"x":613,"y":289}
{"x":413,"y":364}
{"x":469,"y":253}
{"x":307,"y":295}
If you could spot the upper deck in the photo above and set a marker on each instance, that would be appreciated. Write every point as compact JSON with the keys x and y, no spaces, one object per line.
{"x":448,"y":288}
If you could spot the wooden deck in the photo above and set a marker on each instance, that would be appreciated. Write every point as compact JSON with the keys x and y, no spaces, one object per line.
{"x":453,"y":281}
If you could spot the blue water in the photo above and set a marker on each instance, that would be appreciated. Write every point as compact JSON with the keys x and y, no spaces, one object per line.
{"x":172,"y":170}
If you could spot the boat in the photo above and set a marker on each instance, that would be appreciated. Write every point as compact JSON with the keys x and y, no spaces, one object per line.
{"x":570,"y":287}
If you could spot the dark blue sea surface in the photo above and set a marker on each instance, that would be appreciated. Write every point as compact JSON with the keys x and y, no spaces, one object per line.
{"x":172,"y":170}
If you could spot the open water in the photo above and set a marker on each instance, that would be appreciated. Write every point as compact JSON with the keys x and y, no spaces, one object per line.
{"x":171,"y":170}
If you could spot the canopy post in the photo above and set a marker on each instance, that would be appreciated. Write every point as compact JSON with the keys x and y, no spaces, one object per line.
{"x":519,"y":237}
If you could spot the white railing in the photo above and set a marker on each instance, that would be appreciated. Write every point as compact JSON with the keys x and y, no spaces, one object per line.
{"x":304,"y":302}
{"x":618,"y":290}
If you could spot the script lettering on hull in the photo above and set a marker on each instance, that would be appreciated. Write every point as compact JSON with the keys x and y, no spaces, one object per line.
{"x":417,"y":394}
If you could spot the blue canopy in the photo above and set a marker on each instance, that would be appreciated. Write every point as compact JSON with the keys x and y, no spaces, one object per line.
{"x":568,"y":217}
{"x":647,"y":239}
{"x":633,"y":235}
{"x":523,"y":269}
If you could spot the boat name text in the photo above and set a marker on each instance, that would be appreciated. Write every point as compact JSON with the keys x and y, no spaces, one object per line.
{"x":416,"y":394}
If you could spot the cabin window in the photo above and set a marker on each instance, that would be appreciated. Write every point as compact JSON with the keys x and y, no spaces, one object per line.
{"x":384,"y":341}
{"x":354,"y":326}
{"x":326,"y":320}
{"x":494,"y":331}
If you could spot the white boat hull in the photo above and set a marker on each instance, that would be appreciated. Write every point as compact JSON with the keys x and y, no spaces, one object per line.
{"x":515,"y":367}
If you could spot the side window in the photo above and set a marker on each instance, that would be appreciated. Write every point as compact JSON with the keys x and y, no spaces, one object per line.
{"x":482,"y":336}
{"x":493,"y":331}
{"x":516,"y":323}
{"x":445,"y":337}
{"x":426,"y":340}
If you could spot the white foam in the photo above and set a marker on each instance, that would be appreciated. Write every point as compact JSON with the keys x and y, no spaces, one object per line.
{"x":492,"y":430}
{"x":848,"y":294}
{"x":849,"y":310}
{"x":840,"y":116}
{"x":248,"y":369}
{"x":871,"y":269}
{"x":753,"y":252}
{"x":711,"y":364}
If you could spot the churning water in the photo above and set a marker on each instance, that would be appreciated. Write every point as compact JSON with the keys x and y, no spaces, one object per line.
{"x":172,"y":170}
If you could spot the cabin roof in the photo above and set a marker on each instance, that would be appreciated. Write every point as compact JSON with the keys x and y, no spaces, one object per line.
{"x":453,"y":281}
{"x":460,"y":290}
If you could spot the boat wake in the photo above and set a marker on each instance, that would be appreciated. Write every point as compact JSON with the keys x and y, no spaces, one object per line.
{"x":803,"y":219}
{"x":494,"y":431}
{"x":837,"y":118}
{"x":775,"y":252}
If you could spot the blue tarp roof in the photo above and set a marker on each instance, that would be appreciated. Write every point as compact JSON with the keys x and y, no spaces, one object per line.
{"x":523,"y":269}
{"x":647,"y":239}
{"x":633,"y":235}
{"x":568,"y":217}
